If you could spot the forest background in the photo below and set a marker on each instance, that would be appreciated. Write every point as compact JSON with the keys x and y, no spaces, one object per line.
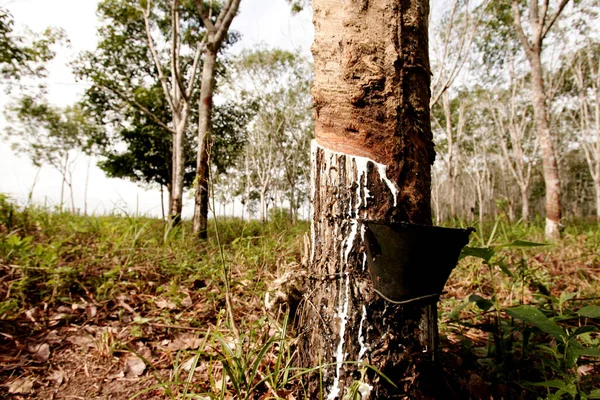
{"x":488,"y":158}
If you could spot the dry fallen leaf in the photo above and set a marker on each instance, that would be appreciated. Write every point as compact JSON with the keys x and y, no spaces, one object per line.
{"x":285,"y":394}
{"x":21,"y":386}
{"x":81,"y":341}
{"x":585,"y":369}
{"x":162,"y":303}
{"x":91,"y":310}
{"x":57,"y":376}
{"x":187,"y":301}
{"x":185,"y":342}
{"x":53,"y":337}
{"x":218,"y":385}
{"x":187,"y":365}
{"x":64,"y":310}
{"x":118,"y":375}
{"x":41,"y":352}
{"x":33,"y":314}
{"x":134,"y":366}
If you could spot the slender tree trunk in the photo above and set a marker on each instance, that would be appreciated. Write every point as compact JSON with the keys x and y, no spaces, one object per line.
{"x":450,"y":138}
{"x":204,"y":137}
{"x":64,"y":181}
{"x":371,"y":159}
{"x":246,"y":202}
{"x":525,"y":204}
{"x":596,"y":148}
{"x":162,"y":202}
{"x":216,"y":32}
{"x":292,"y":202}
{"x":550,"y":164}
{"x":85,"y":192}
{"x":176,"y":197}
{"x":597,"y":189}
{"x":263,"y":205}
{"x":480,"y":201}
{"x":540,"y":24}
{"x":71,"y":196}
{"x":435,"y":199}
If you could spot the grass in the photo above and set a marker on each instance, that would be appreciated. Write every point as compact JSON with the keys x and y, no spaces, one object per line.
{"x":518,"y":319}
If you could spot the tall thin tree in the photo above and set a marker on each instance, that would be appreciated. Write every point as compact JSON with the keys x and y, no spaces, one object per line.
{"x":216,"y":31}
{"x":541,"y":21}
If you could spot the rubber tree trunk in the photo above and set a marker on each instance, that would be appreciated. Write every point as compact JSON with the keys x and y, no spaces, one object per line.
{"x":450,"y":165}
{"x":371,"y":159}
{"x":597,"y":189}
{"x":540,"y":23}
{"x":200,"y":220}
{"x":176,"y":195}
{"x":525,"y":204}
{"x":550,"y":164}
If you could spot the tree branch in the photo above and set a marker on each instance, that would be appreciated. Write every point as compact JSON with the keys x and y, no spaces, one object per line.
{"x":519,"y":28}
{"x":161,"y":76}
{"x":175,"y":51}
{"x":225,"y":22}
{"x":137,"y":104}
{"x":547,"y":26}
{"x":205,"y":17}
{"x":195,"y":66}
{"x":534,"y":13}
{"x":544,"y":13}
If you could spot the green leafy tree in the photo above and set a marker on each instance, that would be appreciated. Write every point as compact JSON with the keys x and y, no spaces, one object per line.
{"x":146,"y":62}
{"x":24,"y":56}
{"x":49,"y":135}
{"x":145,"y":158}
{"x":280,"y":135}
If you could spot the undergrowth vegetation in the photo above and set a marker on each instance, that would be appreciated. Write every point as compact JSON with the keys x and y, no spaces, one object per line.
{"x":127,"y":306}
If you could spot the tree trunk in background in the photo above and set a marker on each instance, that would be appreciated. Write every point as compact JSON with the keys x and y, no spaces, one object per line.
{"x":541,"y":23}
{"x":215,"y":33}
{"x":586,"y":71}
{"x":371,"y":159}
{"x":200,"y":219}
{"x":263,"y":204}
{"x":450,"y":138}
{"x":597,"y":189}
{"x":525,"y":204}
{"x":293,"y":216}
{"x":162,"y":202}
{"x":63,"y":172}
{"x":176,"y":197}
{"x":551,"y":176}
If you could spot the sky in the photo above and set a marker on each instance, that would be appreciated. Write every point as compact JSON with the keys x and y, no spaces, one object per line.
{"x":267,"y":22}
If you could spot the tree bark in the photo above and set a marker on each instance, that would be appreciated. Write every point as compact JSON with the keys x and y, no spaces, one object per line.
{"x":162,"y":201}
{"x":597,"y":189}
{"x":549,"y":162}
{"x":450,"y":138}
{"x":263,"y":205}
{"x":216,"y":33}
{"x":541,"y":23}
{"x":525,"y":204}
{"x":200,"y":219}
{"x":293,"y":215}
{"x":371,"y":159}
{"x":176,"y":197}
